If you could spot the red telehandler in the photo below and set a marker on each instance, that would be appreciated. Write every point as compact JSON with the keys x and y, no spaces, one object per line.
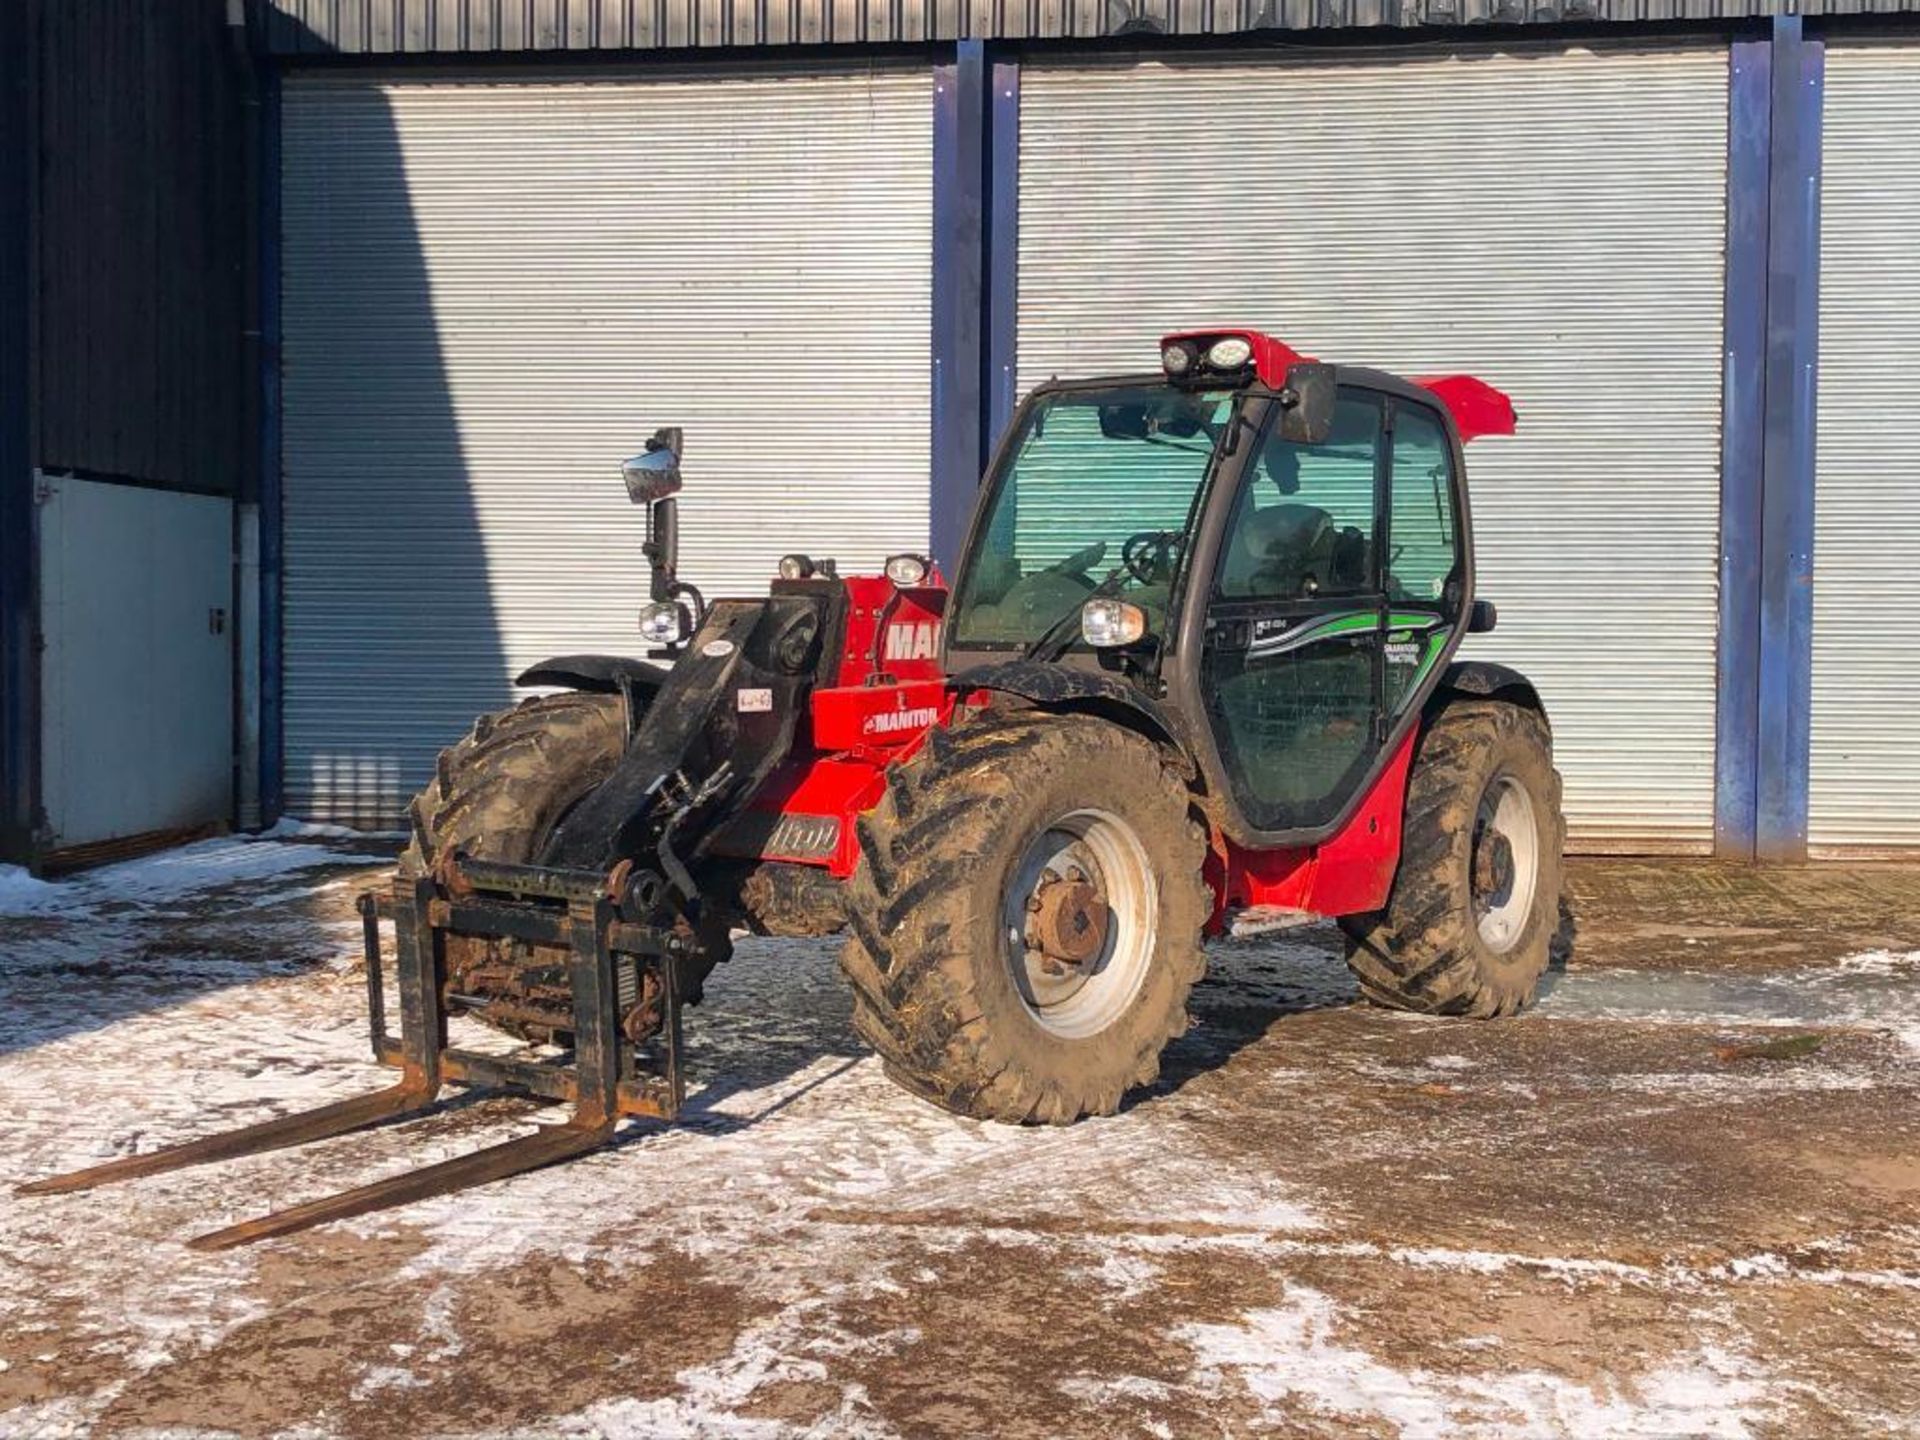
{"x":1196,"y":673}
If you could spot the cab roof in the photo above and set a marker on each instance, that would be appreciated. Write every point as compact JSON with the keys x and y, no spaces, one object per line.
{"x":1477,"y":408}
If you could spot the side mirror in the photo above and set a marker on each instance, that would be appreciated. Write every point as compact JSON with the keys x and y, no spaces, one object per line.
{"x":654,"y":473}
{"x":1482,"y":618}
{"x":1306,"y":403}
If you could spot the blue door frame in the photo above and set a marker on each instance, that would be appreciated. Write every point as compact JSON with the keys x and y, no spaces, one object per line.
{"x":1775,"y":104}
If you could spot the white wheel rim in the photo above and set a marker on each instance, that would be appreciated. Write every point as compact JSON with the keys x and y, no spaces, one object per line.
{"x":1075,"y":1002}
{"x":1504,"y":868}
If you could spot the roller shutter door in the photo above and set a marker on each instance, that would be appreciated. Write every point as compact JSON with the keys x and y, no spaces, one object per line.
{"x":1550,"y":220}
{"x":1865,"y":763}
{"x":493,"y":292}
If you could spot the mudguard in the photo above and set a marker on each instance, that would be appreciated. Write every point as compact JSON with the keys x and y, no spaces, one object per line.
{"x":598,"y":674}
{"x":1061,"y":687}
{"x":1483,"y":677}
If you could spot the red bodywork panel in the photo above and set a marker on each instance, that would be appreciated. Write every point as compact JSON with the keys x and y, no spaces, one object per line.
{"x":875,"y":719}
{"x":910,"y":648}
{"x":1346,"y":875}
{"x":876,"y":716}
{"x":1477,"y":408}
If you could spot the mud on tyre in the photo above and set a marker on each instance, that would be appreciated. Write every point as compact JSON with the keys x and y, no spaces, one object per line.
{"x":1023,"y":928}
{"x":1475,"y":904}
{"x":498,"y":795}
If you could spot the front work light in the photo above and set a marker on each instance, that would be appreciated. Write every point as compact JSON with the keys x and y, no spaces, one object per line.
{"x":1106,"y":623}
{"x":665,"y":622}
{"x":906,"y":571}
{"x":1229,"y":353}
{"x":1177,"y":358}
{"x":795,"y":567}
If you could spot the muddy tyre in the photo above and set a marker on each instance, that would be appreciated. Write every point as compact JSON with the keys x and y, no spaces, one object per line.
{"x":1023,"y":929}
{"x":1475,"y":905}
{"x":499,"y":793}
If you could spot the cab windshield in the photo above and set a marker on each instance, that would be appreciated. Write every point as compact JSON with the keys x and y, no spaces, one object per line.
{"x":1099,"y":492}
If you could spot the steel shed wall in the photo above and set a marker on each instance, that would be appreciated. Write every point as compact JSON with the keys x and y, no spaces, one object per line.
{"x":1864,"y":771}
{"x":493,"y":291}
{"x":142,"y":243}
{"x":1552,"y":220}
{"x":395,"y":27}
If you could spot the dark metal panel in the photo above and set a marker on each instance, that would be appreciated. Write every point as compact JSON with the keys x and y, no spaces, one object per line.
{"x":19,"y":668}
{"x":1786,"y":594}
{"x":141,"y":294}
{"x":1743,"y":411}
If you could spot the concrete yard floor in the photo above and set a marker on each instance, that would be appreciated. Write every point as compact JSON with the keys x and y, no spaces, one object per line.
{"x":1620,"y":1214}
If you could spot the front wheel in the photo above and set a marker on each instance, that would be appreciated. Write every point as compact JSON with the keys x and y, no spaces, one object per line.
{"x":1024,"y":926}
{"x":1470,"y":924}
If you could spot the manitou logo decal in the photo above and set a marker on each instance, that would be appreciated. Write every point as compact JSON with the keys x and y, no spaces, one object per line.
{"x":892,"y":722}
{"x":909,"y":640}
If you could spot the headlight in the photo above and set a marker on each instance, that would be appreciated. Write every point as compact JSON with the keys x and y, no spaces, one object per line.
{"x":665,"y":623}
{"x":795,"y":567}
{"x":1177,"y":358}
{"x":1105,"y":623}
{"x":906,"y":571}
{"x":1229,"y":354}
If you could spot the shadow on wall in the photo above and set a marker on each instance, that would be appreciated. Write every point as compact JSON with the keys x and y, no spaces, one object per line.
{"x":392,"y":643}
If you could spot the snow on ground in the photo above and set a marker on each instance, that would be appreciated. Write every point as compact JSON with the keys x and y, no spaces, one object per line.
{"x":1221,"y":1242}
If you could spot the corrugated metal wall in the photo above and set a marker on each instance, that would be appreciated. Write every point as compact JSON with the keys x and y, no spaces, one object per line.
{"x":1865,"y":764}
{"x":385,"y":27}
{"x":493,"y":292}
{"x":1552,"y":220}
{"x":142,"y":235}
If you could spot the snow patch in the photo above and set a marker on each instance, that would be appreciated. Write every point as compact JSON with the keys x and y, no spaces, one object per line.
{"x":792,"y":1346}
{"x":21,"y":894}
{"x":1289,"y":1355}
{"x":288,"y":828}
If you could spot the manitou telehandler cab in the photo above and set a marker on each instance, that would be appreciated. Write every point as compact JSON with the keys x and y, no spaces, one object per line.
{"x":1195,"y":673}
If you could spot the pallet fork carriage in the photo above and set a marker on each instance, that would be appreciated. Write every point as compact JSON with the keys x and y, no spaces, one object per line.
{"x":610,"y":961}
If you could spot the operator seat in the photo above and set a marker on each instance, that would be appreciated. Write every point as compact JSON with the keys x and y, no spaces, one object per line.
{"x":1276,"y":549}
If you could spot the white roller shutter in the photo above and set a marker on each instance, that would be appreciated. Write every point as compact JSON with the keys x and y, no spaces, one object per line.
{"x":493,"y":292}
{"x":1865,"y":763}
{"x":1551,"y":220}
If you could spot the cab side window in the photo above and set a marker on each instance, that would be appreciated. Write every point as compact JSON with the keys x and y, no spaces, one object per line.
{"x":1423,"y":553}
{"x":1304,"y":522}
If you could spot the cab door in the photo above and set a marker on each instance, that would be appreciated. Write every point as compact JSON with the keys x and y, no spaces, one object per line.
{"x":1293,"y":673}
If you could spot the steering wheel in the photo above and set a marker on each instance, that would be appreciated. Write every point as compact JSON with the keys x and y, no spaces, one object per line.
{"x":1149,"y":555}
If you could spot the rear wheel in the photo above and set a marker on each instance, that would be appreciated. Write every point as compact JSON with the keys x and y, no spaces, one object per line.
{"x":1024,"y":925}
{"x":1475,"y":905}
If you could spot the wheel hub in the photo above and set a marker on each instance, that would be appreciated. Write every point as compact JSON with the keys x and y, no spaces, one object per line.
{"x":1079,"y":913}
{"x":1505,"y":863}
{"x":1493,"y":864}
{"x":1068,"y":923}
